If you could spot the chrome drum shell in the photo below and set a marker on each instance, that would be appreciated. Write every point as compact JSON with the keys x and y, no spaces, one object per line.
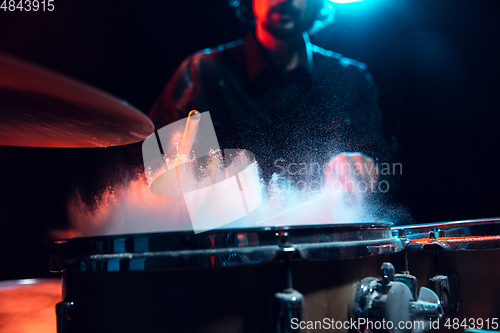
{"x":217,"y":281}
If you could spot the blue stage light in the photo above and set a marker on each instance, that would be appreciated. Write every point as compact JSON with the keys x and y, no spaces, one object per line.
{"x":344,"y":1}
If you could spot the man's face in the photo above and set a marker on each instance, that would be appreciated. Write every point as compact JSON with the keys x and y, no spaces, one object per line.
{"x":286,"y":18}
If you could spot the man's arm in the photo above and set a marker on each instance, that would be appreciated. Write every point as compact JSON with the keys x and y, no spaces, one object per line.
{"x":357,"y":169}
{"x":368,"y":127}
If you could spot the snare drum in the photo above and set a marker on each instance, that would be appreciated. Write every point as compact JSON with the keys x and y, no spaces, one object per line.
{"x":27,"y":306}
{"x":216,"y":281}
{"x":468,"y":254}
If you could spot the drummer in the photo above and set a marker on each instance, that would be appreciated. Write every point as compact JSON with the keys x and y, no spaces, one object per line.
{"x":302,"y":110}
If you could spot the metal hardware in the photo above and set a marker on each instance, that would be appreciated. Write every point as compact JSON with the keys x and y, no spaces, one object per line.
{"x":393,"y":302}
{"x":230,"y":247}
{"x":67,"y":317}
{"x":446,"y":287}
{"x":409,"y":280}
{"x":289,"y":303}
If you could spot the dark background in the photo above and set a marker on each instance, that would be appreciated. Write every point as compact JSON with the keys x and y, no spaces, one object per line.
{"x":434,"y":62}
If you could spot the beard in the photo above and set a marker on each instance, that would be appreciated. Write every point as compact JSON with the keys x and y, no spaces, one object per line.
{"x":288,"y":30}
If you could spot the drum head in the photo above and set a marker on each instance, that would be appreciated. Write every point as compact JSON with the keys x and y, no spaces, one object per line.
{"x":139,"y":252}
{"x":467,"y":235}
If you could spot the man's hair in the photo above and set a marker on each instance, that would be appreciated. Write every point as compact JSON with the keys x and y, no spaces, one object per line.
{"x":243,"y":10}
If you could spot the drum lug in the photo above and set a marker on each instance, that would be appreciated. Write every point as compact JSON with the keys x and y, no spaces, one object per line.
{"x":288,"y":305}
{"x":67,"y":317}
{"x":392,"y":302}
{"x":410,"y":281}
{"x":446,"y":287}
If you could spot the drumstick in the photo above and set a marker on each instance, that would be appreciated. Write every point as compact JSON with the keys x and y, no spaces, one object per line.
{"x":189,"y":134}
{"x":165,"y":182}
{"x":187,"y":142}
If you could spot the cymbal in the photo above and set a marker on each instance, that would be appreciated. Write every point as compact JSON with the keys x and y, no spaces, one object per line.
{"x":39,"y":108}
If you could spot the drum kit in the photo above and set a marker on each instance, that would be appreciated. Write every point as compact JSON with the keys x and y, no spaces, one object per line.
{"x":365,"y":277}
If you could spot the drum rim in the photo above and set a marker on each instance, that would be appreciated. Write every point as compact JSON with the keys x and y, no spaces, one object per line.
{"x":449,"y":224}
{"x":261,"y":244}
{"x":256,"y":229}
{"x":464,"y":235}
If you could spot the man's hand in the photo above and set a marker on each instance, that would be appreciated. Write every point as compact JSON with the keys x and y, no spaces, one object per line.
{"x":353,"y":172}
